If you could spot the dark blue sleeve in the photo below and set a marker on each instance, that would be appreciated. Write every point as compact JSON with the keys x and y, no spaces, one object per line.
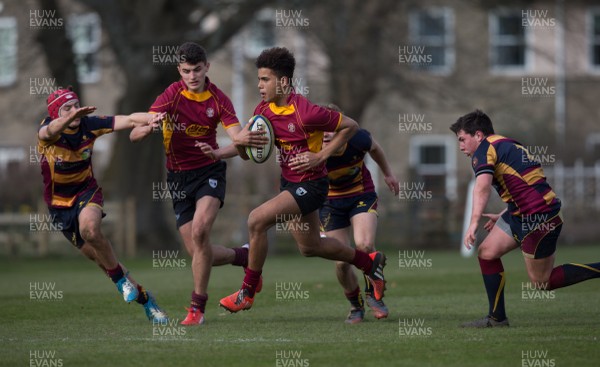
{"x":362,"y":140}
{"x":45,"y":122}
{"x":99,"y":125}
{"x":484,"y":159}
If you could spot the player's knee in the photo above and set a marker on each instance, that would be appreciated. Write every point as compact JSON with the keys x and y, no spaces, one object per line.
{"x":486,"y":253}
{"x":365,"y":245}
{"x":307,"y":251}
{"x":91,"y":234}
{"x":256,"y":222}
{"x":199,"y":235}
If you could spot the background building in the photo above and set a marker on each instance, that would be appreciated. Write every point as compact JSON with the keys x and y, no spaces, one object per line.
{"x":533,"y":66}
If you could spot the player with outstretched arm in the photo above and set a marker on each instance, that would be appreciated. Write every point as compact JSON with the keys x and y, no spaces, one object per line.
{"x":194,"y":107}
{"x":352,"y":201}
{"x":66,"y":141}
{"x":532,"y":220}
{"x":298,"y":129}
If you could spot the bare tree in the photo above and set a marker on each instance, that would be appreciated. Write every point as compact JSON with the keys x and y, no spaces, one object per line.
{"x":355,"y":42}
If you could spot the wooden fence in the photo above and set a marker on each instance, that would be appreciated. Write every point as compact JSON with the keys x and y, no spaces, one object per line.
{"x":22,"y":233}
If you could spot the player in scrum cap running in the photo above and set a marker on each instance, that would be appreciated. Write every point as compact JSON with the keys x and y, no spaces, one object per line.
{"x":66,"y":141}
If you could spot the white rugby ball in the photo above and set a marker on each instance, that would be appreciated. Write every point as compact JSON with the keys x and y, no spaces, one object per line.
{"x":261,"y":154}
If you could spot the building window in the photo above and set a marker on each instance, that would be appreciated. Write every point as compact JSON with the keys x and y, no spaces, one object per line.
{"x":85,"y":34}
{"x":508,"y":41}
{"x":431,"y":33}
{"x":433,"y":159}
{"x":8,"y":51}
{"x":594,"y":37}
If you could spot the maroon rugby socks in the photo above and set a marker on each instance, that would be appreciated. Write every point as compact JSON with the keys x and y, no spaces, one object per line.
{"x":493,"y":279}
{"x":569,"y":274}
{"x":115,"y":274}
{"x":199,"y":301}
{"x":241,"y":256}
{"x":251,"y":280}
{"x":362,"y":261}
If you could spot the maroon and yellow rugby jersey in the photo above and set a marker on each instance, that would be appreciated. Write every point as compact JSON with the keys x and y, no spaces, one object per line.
{"x":298,"y":128}
{"x":192,"y":118}
{"x":67,"y":160}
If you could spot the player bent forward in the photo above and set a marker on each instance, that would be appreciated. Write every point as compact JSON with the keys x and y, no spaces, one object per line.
{"x":298,"y":129}
{"x":66,"y":140}
{"x":532,"y":220}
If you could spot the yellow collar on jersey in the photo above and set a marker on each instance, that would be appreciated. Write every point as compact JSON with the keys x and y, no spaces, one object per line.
{"x":198,"y":97}
{"x":282,"y":110}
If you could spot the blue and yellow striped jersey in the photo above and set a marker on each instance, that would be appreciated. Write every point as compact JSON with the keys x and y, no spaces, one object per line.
{"x":67,"y":160}
{"x":518,"y":178}
{"x":347,"y":172}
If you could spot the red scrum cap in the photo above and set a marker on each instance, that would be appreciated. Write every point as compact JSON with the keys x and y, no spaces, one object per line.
{"x":57,"y":99}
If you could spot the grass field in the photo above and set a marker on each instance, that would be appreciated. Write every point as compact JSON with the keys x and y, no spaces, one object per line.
{"x":87,"y":324}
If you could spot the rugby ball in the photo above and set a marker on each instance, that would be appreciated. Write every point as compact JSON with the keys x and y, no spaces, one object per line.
{"x":261,"y":154}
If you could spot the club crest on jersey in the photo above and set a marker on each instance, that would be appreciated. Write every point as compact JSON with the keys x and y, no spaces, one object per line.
{"x":301,"y":191}
{"x":86,"y":154}
{"x":212,"y":182}
{"x":291,"y":127}
{"x":475,"y":161}
{"x":210,"y":112}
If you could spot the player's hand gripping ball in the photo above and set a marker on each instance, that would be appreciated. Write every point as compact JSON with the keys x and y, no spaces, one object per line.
{"x":261,"y":154}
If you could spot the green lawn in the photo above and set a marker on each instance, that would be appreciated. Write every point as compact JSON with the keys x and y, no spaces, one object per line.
{"x":89,"y":325}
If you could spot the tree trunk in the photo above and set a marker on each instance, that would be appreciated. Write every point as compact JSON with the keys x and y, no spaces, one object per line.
{"x":59,"y":51}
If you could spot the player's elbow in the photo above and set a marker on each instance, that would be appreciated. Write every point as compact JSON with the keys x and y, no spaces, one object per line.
{"x":351,"y":127}
{"x":44,"y":134}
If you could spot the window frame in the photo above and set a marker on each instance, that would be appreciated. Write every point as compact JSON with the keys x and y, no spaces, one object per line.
{"x":447,"y":41}
{"x":10,"y":24}
{"x":493,"y":26}
{"x":447,"y":169}
{"x":591,"y":13}
{"x":81,"y":49}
